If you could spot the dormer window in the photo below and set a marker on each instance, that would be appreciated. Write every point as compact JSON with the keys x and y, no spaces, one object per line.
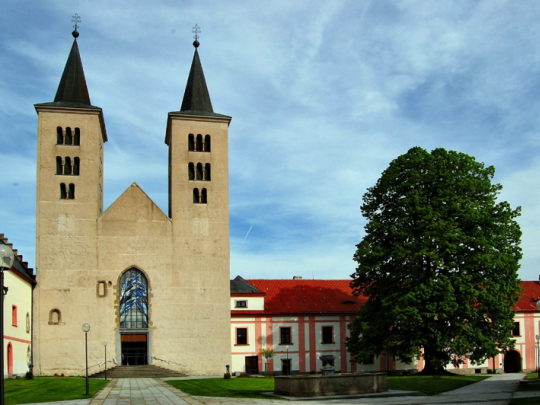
{"x":241,"y":304}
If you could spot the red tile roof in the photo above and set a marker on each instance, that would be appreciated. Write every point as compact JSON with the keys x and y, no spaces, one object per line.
{"x":530,"y":294}
{"x":307,"y":296}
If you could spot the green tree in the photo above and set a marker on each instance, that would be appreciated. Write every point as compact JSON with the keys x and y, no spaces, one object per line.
{"x":438,"y":263}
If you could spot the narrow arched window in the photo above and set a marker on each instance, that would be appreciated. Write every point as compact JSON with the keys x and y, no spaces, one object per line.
{"x":27,"y":322}
{"x":76,"y":166}
{"x":196,"y":196}
{"x":77,"y":138}
{"x":133,"y":300}
{"x":63,"y":193}
{"x":199,"y":171}
{"x":191,"y":171}
{"x":58,"y":165}
{"x":199,"y":143}
{"x":72,"y":191}
{"x":59,"y":136}
{"x":204,"y":197}
{"x":207,"y":143}
{"x":207,"y":172}
{"x":191,"y":142}
{"x":68,"y":136}
{"x":67,"y":166}
{"x":54,"y":317}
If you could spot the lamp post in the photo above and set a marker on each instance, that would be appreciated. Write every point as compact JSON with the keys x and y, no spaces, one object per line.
{"x":105,"y":344}
{"x":86,"y":328}
{"x":6,"y":261}
{"x":538,"y":354}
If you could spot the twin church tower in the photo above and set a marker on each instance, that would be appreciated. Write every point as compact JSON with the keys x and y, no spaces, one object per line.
{"x":154,"y":285}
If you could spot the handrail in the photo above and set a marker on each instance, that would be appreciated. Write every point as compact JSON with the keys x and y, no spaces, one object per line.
{"x":113,"y":360}
{"x":168,"y":361}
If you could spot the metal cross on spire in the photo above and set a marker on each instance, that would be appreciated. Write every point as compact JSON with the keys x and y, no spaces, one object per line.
{"x":75,"y":19}
{"x":196,"y":30}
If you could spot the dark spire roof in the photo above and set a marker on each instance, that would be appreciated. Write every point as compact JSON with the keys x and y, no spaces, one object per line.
{"x":72,"y":90}
{"x":196,"y":97}
{"x":72,"y":87}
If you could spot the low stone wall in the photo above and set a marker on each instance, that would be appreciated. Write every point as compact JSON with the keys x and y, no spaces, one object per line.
{"x":339,"y":384}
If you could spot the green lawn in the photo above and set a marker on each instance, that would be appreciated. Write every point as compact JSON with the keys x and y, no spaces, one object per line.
{"x":533,"y":385}
{"x":252,"y":387}
{"x":46,"y":389}
{"x":429,"y":385}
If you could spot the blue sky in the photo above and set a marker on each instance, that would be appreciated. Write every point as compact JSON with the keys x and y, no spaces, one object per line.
{"x":323,"y":95}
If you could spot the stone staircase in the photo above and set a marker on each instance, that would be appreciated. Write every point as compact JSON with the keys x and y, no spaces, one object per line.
{"x":138,"y":372}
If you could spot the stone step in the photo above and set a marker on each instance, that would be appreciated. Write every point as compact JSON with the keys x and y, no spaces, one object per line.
{"x":149,"y":371}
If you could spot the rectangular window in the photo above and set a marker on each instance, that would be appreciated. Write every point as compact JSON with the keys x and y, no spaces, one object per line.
{"x":516,"y":331}
{"x":14,"y":315}
{"x":241,"y":336}
{"x":241,"y":304}
{"x":328,"y":334}
{"x":285,"y":334}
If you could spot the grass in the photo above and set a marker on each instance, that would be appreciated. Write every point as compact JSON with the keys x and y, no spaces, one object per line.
{"x":533,"y":385}
{"x":219,"y":387}
{"x":47,"y":389}
{"x":429,"y":385}
{"x":253,"y":387}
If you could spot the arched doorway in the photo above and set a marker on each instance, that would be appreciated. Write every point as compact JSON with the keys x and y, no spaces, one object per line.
{"x":512,"y":362}
{"x":133,"y":313}
{"x":10,"y":358}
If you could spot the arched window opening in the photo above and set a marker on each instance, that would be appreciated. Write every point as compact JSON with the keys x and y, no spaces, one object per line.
{"x":63,"y":194}
{"x":207,"y":172}
{"x":72,"y":191}
{"x":191,"y":171}
{"x":76,"y":165}
{"x":199,"y":143}
{"x":77,"y":138}
{"x":133,"y":300}
{"x":67,"y":166}
{"x":207,"y":143}
{"x":10,"y":358}
{"x":204,"y":199}
{"x":68,"y":136}
{"x":196,"y":196}
{"x":58,"y":165}
{"x":199,"y":171}
{"x":27,"y":322}
{"x":59,"y":136}
{"x":54,"y":317}
{"x":191,"y":142}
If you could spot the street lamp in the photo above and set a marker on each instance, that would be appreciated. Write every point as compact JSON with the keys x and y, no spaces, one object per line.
{"x":538,"y":354}
{"x":86,"y":329}
{"x":105,"y":344}
{"x":6,"y":261}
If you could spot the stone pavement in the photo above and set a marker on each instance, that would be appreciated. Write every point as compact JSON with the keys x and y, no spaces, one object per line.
{"x":496,"y":390}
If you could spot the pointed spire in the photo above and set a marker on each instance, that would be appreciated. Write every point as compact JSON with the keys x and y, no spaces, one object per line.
{"x":72,"y":87}
{"x":196,"y":96}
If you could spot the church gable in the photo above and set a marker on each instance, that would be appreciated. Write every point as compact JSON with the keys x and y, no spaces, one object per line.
{"x":133,"y":206}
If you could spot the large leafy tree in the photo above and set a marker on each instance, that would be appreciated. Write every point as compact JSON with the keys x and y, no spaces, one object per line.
{"x":438,"y":262}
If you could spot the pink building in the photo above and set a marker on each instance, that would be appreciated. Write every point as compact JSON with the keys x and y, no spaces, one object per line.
{"x":303,"y":320}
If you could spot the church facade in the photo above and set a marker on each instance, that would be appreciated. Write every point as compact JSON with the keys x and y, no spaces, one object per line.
{"x":153,"y":285}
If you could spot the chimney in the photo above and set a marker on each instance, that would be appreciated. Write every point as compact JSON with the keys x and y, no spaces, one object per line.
{"x":297,"y":278}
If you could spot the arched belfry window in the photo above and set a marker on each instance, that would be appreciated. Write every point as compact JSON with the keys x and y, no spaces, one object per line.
{"x":204,"y":196}
{"x":199,"y":145}
{"x":199,"y":171}
{"x":133,"y":300}
{"x":76,"y":166}
{"x":207,"y":143}
{"x":207,"y":172}
{"x":67,"y":166}
{"x":59,"y":136}
{"x":59,"y":169}
{"x":68,"y":136}
{"x":191,"y":171}
{"x":191,"y":142}
{"x":77,"y":139}
{"x":196,"y":196}
{"x":71,"y":194}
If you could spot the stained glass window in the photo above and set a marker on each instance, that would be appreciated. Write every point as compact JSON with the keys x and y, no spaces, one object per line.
{"x":133,"y":300}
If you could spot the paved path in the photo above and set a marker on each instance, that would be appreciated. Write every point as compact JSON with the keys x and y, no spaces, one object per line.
{"x":497,"y":390}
